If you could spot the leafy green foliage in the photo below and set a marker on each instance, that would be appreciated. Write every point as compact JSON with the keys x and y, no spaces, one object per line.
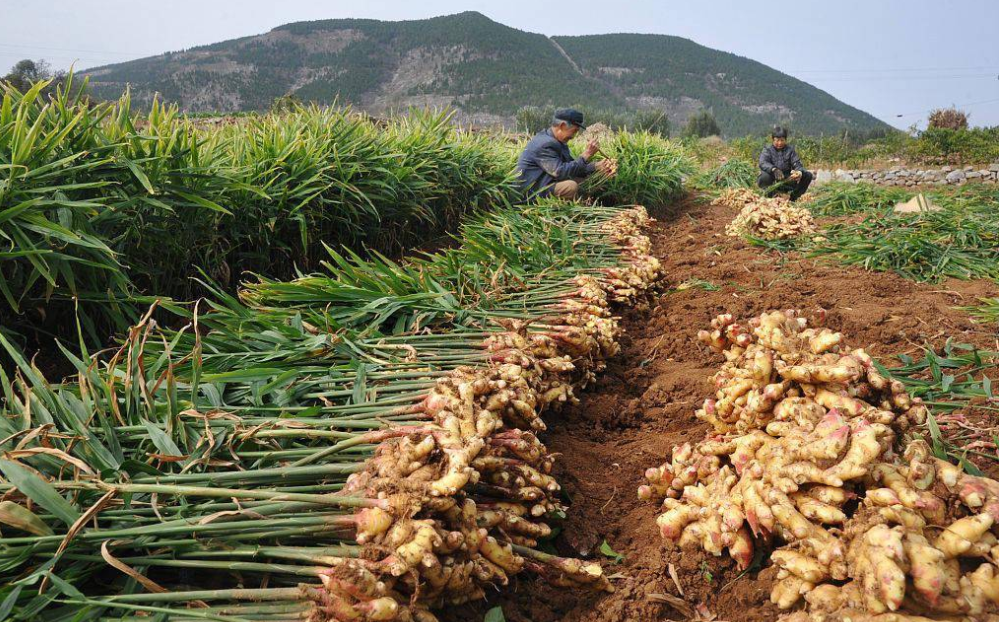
{"x":102,"y":205}
{"x":952,"y":379}
{"x":533,"y":119}
{"x":978,"y":145}
{"x":987,"y":310}
{"x":653,"y":121}
{"x":734,"y":173}
{"x":105,"y":207}
{"x":610,"y":553}
{"x":27,"y":72}
{"x":651,"y":170}
{"x":855,"y":149}
{"x":843,"y":199}
{"x":960,"y":241}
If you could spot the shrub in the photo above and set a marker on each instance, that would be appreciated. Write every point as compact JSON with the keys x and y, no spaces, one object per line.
{"x":978,"y":145}
{"x":702,"y":124}
{"x":27,"y":72}
{"x":533,"y":119}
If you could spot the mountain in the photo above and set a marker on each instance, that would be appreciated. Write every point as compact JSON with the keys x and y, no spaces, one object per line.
{"x":486,"y":70}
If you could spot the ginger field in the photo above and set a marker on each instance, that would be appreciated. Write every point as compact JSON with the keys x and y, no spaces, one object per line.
{"x":311,"y":367}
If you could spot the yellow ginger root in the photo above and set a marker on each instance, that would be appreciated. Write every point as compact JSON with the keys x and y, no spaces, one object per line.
{"x":736,"y":198}
{"x":772,"y":219}
{"x":863,"y":450}
{"x":800,"y":565}
{"x":817,"y":511}
{"x":927,"y":567}
{"x":847,"y":369}
{"x":927,"y":504}
{"x":800,"y":411}
{"x":788,"y":590}
{"x":801,"y":426}
{"x":371,"y":523}
{"x":501,"y":555}
{"x":877,"y":559}
{"x":958,"y":537}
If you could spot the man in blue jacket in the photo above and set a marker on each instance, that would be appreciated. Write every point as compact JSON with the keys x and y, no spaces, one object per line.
{"x":547,"y":167}
{"x":781,"y":169}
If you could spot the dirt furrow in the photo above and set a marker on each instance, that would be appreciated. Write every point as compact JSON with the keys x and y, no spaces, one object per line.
{"x":644,"y":404}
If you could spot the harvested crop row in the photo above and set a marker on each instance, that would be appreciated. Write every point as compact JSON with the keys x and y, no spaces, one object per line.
{"x":344,"y":475}
{"x":812,"y":454}
{"x":448,"y":544}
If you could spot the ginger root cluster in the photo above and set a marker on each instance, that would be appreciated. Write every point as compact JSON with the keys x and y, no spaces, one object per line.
{"x":813,"y":455}
{"x":768,"y":218}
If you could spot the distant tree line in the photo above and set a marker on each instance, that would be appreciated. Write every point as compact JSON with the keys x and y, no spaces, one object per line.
{"x":27,"y":72}
{"x":533,"y":119}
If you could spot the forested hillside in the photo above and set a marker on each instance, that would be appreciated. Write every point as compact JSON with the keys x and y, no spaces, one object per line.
{"x":484,"y":69}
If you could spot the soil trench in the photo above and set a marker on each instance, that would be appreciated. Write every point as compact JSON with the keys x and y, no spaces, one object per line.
{"x":644,"y":404}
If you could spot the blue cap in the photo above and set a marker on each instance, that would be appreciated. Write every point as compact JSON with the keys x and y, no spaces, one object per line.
{"x":570,"y":115}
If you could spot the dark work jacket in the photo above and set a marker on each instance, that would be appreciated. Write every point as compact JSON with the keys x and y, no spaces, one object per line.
{"x":785,"y":159}
{"x":547,"y":160}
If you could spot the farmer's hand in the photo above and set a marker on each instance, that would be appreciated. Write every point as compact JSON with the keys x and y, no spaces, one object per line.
{"x":778,"y":174}
{"x":607,"y":167}
{"x":591,"y":149}
{"x":796,"y":175}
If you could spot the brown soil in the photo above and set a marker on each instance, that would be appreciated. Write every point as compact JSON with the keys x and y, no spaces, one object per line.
{"x":644,"y":405}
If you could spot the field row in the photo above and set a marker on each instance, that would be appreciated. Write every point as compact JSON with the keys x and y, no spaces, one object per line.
{"x":354,"y":446}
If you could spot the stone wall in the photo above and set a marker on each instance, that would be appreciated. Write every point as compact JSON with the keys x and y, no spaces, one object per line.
{"x":902,"y":176}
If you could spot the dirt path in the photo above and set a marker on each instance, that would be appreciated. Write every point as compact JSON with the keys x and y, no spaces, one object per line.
{"x":644,"y":405}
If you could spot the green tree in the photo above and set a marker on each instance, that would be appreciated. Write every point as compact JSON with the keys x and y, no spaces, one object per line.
{"x":702,"y":124}
{"x":26,"y":72}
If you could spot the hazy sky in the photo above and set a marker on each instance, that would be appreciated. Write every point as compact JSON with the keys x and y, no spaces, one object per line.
{"x":888,"y":57}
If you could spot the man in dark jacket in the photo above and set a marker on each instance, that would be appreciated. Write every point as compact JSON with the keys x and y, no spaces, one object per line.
{"x":781,"y":169}
{"x":546,"y":167}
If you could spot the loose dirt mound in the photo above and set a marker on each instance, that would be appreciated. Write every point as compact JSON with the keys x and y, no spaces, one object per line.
{"x":644,"y":405}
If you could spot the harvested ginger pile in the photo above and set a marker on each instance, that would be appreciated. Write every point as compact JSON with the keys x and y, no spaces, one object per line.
{"x":811,"y":455}
{"x":774,"y":218}
{"x":736,"y":198}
